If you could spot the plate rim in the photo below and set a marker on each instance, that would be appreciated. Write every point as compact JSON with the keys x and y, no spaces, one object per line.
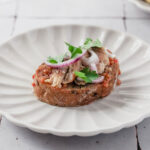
{"x":85,"y":133}
{"x":140,"y":5}
{"x":59,"y":132}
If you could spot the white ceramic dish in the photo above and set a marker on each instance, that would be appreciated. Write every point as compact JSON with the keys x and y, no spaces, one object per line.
{"x":142,"y":5}
{"x":126,"y":106}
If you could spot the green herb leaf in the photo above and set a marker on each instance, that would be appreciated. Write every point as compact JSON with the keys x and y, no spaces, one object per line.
{"x":90,"y":74}
{"x":74,"y":50}
{"x":87,"y":75}
{"x":87,"y":41}
{"x":52,"y":60}
{"x":55,"y":60}
{"x":90,"y":43}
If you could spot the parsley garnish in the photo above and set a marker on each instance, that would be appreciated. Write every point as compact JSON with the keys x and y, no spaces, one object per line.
{"x":90,"y":43}
{"x":55,"y":60}
{"x":74,"y":50}
{"x":87,"y":75}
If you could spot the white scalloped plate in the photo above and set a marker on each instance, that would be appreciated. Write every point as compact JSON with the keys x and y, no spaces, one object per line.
{"x":142,"y":5}
{"x":126,"y":106}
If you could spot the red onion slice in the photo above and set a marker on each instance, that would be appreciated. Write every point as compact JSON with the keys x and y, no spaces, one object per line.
{"x":93,"y":67}
{"x":109,"y":54}
{"x":93,"y":59}
{"x":98,"y":80}
{"x":66,"y":63}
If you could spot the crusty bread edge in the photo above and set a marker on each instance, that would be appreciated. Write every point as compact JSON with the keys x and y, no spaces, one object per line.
{"x":75,"y":96}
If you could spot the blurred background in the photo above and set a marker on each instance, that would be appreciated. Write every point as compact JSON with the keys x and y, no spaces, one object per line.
{"x":21,"y":15}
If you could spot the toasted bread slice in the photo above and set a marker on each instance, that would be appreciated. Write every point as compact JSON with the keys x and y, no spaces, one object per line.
{"x":72,"y":94}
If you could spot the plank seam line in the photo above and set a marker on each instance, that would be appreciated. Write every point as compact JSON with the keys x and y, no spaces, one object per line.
{"x":137,"y":139}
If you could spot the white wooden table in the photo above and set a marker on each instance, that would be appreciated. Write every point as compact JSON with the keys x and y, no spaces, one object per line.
{"x":20,"y":15}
